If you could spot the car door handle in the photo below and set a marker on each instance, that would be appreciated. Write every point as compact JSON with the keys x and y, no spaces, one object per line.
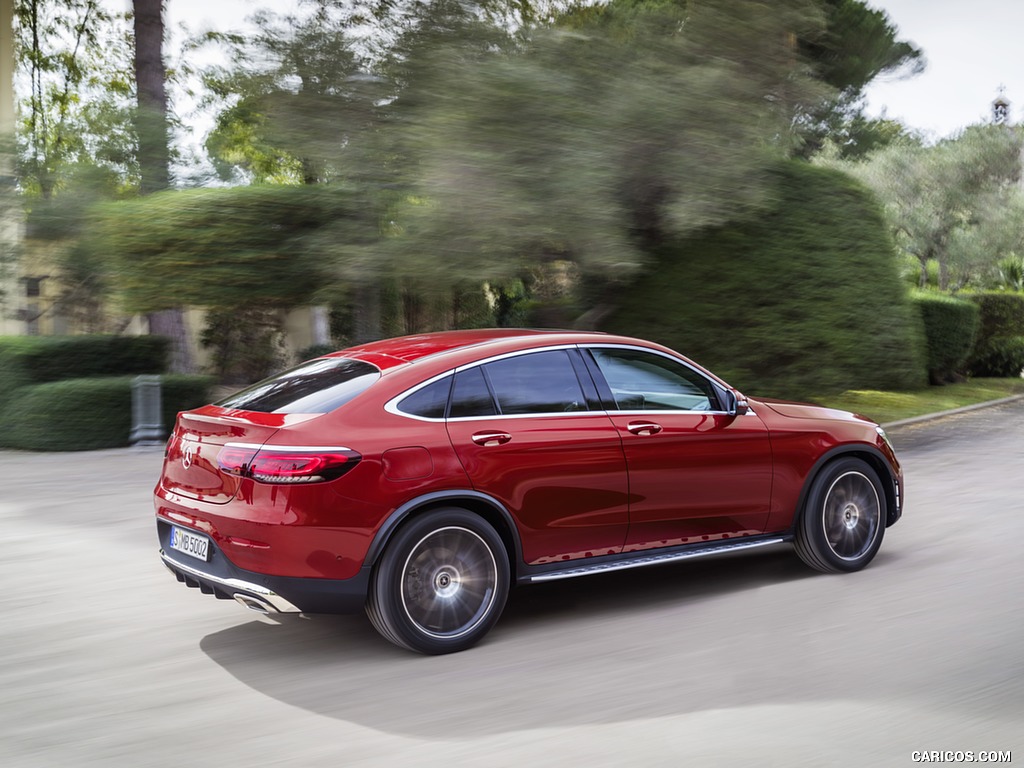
{"x":491,"y":438}
{"x":643,"y":427}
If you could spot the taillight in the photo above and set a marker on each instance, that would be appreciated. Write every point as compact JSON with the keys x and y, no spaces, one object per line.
{"x":285,"y":464}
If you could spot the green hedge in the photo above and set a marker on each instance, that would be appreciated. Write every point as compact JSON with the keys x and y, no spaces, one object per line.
{"x":86,"y":414}
{"x":1001,"y":357}
{"x":804,"y":299}
{"x":950,"y":327}
{"x":999,"y":348}
{"x":54,"y":358}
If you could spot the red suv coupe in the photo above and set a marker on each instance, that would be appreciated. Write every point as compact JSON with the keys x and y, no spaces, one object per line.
{"x":422,"y":477}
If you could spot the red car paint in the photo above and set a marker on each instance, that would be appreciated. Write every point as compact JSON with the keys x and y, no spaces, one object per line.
{"x":595,"y":482}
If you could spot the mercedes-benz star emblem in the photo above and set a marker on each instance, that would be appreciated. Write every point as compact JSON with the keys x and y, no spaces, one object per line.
{"x":188,"y":454}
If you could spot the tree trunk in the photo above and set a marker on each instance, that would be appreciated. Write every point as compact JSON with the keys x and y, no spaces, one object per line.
{"x":151,"y":119}
{"x":154,"y":151}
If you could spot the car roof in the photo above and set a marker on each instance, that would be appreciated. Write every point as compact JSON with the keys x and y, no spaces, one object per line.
{"x":388,"y":353}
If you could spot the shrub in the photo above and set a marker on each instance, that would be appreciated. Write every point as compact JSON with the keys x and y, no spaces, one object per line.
{"x":997,"y":350}
{"x":950,"y":326}
{"x":805,"y":299}
{"x":38,"y":359}
{"x":53,"y":358}
{"x":1000,"y":356}
{"x":86,"y":414}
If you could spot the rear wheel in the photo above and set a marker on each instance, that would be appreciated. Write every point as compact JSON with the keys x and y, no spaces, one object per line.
{"x":441,"y":584}
{"x":843,"y":520}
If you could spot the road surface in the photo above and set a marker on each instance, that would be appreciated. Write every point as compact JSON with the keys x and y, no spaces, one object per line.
{"x":742,"y":660}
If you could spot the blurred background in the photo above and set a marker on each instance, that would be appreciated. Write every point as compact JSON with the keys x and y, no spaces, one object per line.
{"x":259,"y":183}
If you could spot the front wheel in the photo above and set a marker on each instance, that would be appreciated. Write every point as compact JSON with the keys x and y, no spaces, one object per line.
{"x":441,"y":584}
{"x":843,"y":519}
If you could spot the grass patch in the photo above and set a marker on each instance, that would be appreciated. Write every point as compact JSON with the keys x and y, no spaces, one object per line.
{"x":884,"y":407}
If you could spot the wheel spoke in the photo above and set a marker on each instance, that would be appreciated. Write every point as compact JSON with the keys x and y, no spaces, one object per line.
{"x":449,"y":582}
{"x":851,"y":515}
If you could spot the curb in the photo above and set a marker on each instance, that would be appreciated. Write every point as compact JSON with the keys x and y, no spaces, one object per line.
{"x":951,"y":412}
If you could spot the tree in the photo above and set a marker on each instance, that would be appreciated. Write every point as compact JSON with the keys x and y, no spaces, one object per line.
{"x":76,"y":116}
{"x":781,"y":304}
{"x":859,"y":44}
{"x":957,"y":203}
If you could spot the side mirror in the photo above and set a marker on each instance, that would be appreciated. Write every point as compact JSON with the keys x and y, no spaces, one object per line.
{"x":735,"y":403}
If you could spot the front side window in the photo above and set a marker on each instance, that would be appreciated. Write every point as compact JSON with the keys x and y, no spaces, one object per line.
{"x":317,"y":386}
{"x":645,"y":381}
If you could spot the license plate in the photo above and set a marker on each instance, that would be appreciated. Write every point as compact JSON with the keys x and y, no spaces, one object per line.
{"x":190,"y":544}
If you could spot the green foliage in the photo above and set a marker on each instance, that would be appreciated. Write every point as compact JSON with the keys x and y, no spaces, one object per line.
{"x":955,"y":202}
{"x":26,"y":360}
{"x":1000,"y":356}
{"x":75,"y":58}
{"x":87,"y":414}
{"x":859,"y":44}
{"x":950,"y":327}
{"x":805,"y":300}
{"x":247,"y":344}
{"x":239,"y":247}
{"x":1002,"y":313}
{"x":1010,"y":272}
{"x":999,"y":349}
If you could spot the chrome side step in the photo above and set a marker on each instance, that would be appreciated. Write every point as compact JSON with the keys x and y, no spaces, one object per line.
{"x":641,"y":561}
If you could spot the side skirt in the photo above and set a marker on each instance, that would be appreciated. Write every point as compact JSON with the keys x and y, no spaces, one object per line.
{"x":537,"y":574}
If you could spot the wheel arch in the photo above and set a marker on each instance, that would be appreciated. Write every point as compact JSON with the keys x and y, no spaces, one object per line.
{"x":874,"y":458}
{"x":488,"y":508}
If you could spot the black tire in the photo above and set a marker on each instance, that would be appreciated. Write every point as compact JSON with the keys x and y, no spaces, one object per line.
{"x":441,"y":583}
{"x":843,"y":520}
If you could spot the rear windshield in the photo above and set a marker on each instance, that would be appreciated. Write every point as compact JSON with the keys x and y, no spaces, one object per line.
{"x":318,"y":386}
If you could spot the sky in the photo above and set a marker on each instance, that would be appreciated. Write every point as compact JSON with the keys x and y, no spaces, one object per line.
{"x":972,"y":49}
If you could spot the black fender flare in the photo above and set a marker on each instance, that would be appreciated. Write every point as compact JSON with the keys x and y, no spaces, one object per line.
{"x":878,"y":459}
{"x":438,"y":498}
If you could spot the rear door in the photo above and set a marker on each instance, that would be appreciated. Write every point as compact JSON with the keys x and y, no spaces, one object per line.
{"x":529,"y":432}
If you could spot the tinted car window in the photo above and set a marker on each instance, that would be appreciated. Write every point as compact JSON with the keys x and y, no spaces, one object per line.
{"x":317,"y":386}
{"x":542,"y":382}
{"x":429,"y":401}
{"x":470,"y":395}
{"x":644,"y":381}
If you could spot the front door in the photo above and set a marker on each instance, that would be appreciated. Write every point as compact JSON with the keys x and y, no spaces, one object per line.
{"x":696,"y":474}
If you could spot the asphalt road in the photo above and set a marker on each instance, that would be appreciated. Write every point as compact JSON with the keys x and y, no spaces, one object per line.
{"x":105,"y":660}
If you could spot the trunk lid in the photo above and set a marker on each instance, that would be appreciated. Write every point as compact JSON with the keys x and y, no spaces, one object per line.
{"x":190,"y":465}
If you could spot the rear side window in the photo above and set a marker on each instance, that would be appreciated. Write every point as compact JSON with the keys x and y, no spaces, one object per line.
{"x":317,"y":386}
{"x":541,"y":382}
{"x":470,"y":395}
{"x":428,"y":402}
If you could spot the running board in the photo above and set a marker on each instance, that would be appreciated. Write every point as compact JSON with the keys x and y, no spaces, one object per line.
{"x":639,"y":562}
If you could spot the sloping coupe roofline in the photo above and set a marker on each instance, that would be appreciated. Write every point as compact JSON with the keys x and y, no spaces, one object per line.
{"x":408,"y":349}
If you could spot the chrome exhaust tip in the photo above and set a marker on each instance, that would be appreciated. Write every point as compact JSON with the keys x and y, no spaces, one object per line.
{"x":254,"y":603}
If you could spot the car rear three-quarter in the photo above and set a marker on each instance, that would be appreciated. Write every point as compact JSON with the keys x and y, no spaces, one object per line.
{"x":420,"y":478}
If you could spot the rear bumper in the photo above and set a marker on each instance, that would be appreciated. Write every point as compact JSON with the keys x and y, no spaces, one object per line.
{"x":267,"y":594}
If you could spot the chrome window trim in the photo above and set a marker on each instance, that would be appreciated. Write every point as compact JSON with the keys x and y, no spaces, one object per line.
{"x":391,"y":406}
{"x":637,"y":348}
